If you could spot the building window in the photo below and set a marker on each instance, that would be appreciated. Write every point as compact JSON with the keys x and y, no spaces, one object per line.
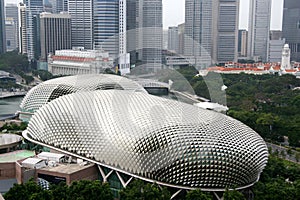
{"x":298,"y":25}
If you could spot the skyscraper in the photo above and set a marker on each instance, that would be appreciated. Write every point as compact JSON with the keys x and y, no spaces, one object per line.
{"x":22,"y":28}
{"x":211,"y":31}
{"x":149,"y":33}
{"x":198,"y":27}
{"x":173,"y":39}
{"x":259,"y":29}
{"x":12,"y":26}
{"x":106,"y":26}
{"x":225,"y":31}
{"x":131,"y":29}
{"x":11,"y":34}
{"x":55,"y":33}
{"x":242,"y":44}
{"x":33,"y":9}
{"x":2,"y":29}
{"x":181,"y":31}
{"x":58,"y":6}
{"x":81,"y":12}
{"x":291,"y":27}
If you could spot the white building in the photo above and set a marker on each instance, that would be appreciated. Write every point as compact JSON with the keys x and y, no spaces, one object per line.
{"x":34,"y":163}
{"x":259,"y":29}
{"x":286,"y":58}
{"x":79,"y":61}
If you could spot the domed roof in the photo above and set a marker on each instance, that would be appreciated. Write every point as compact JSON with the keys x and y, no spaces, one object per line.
{"x":54,"y":88}
{"x":152,"y":138}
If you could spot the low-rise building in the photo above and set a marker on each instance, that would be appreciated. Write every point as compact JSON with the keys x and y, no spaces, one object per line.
{"x":79,"y":61}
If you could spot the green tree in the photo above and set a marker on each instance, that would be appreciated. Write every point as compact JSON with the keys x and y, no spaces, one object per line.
{"x":198,"y":195}
{"x":146,"y":191}
{"x":233,"y":195}
{"x":23,"y":191}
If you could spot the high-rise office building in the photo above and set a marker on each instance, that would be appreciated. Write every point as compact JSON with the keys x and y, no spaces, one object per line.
{"x":81,"y":12}
{"x":181,"y":28}
{"x":109,"y":31}
{"x":33,"y":9}
{"x":198,"y":27}
{"x":2,"y":29}
{"x":291,"y":27}
{"x":242,"y":44}
{"x":11,"y":11}
{"x":211,"y":31}
{"x":225,"y":31}
{"x":173,"y":39}
{"x":11,"y":34}
{"x":58,"y":6}
{"x":259,"y":29}
{"x":55,"y":33}
{"x":22,"y":28}
{"x":12,"y":26}
{"x":131,"y":29}
{"x":275,"y":50}
{"x":149,"y":33}
{"x":106,"y":26}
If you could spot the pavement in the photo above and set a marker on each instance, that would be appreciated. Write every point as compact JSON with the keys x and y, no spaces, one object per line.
{"x":288,"y":157}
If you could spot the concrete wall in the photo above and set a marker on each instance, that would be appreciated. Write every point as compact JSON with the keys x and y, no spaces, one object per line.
{"x":7,"y":171}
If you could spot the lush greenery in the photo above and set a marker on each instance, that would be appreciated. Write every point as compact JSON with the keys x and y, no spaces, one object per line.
{"x":141,"y":190}
{"x":279,"y":179}
{"x":14,"y":62}
{"x":14,"y":127}
{"x":76,"y":191}
{"x":269,"y":104}
{"x":42,"y":74}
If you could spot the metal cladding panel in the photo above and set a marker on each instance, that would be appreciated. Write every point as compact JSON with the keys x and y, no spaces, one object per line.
{"x":54,"y":88}
{"x":154,"y":138}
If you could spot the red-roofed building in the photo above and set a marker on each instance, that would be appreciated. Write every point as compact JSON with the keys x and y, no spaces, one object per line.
{"x":79,"y":61}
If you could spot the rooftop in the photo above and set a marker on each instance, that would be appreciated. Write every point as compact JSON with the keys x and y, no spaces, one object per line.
{"x":66,"y":168}
{"x":15,"y":156}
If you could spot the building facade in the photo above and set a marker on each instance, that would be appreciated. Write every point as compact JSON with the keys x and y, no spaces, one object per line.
{"x":81,"y":12}
{"x":149,"y":33}
{"x":33,"y":9}
{"x":173,"y":39}
{"x":2,"y":29}
{"x":131,"y":30}
{"x":259,"y":29}
{"x":242,"y":44}
{"x":55,"y":32}
{"x":11,"y":34}
{"x":106,"y":26}
{"x":181,"y":33}
{"x":22,"y":28}
{"x":58,"y":6}
{"x":211,"y":31}
{"x":291,"y":27}
{"x":225,"y":32}
{"x":12,"y":31}
{"x":198,"y":27}
{"x":79,"y":61}
{"x":275,"y":50}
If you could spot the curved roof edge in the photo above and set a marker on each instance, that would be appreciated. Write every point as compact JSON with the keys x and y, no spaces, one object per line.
{"x":26,"y":136}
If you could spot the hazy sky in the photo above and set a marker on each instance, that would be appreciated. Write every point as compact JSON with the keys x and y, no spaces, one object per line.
{"x":174,"y":13}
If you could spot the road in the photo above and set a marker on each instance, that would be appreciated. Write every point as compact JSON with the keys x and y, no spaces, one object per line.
{"x":288,"y":157}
